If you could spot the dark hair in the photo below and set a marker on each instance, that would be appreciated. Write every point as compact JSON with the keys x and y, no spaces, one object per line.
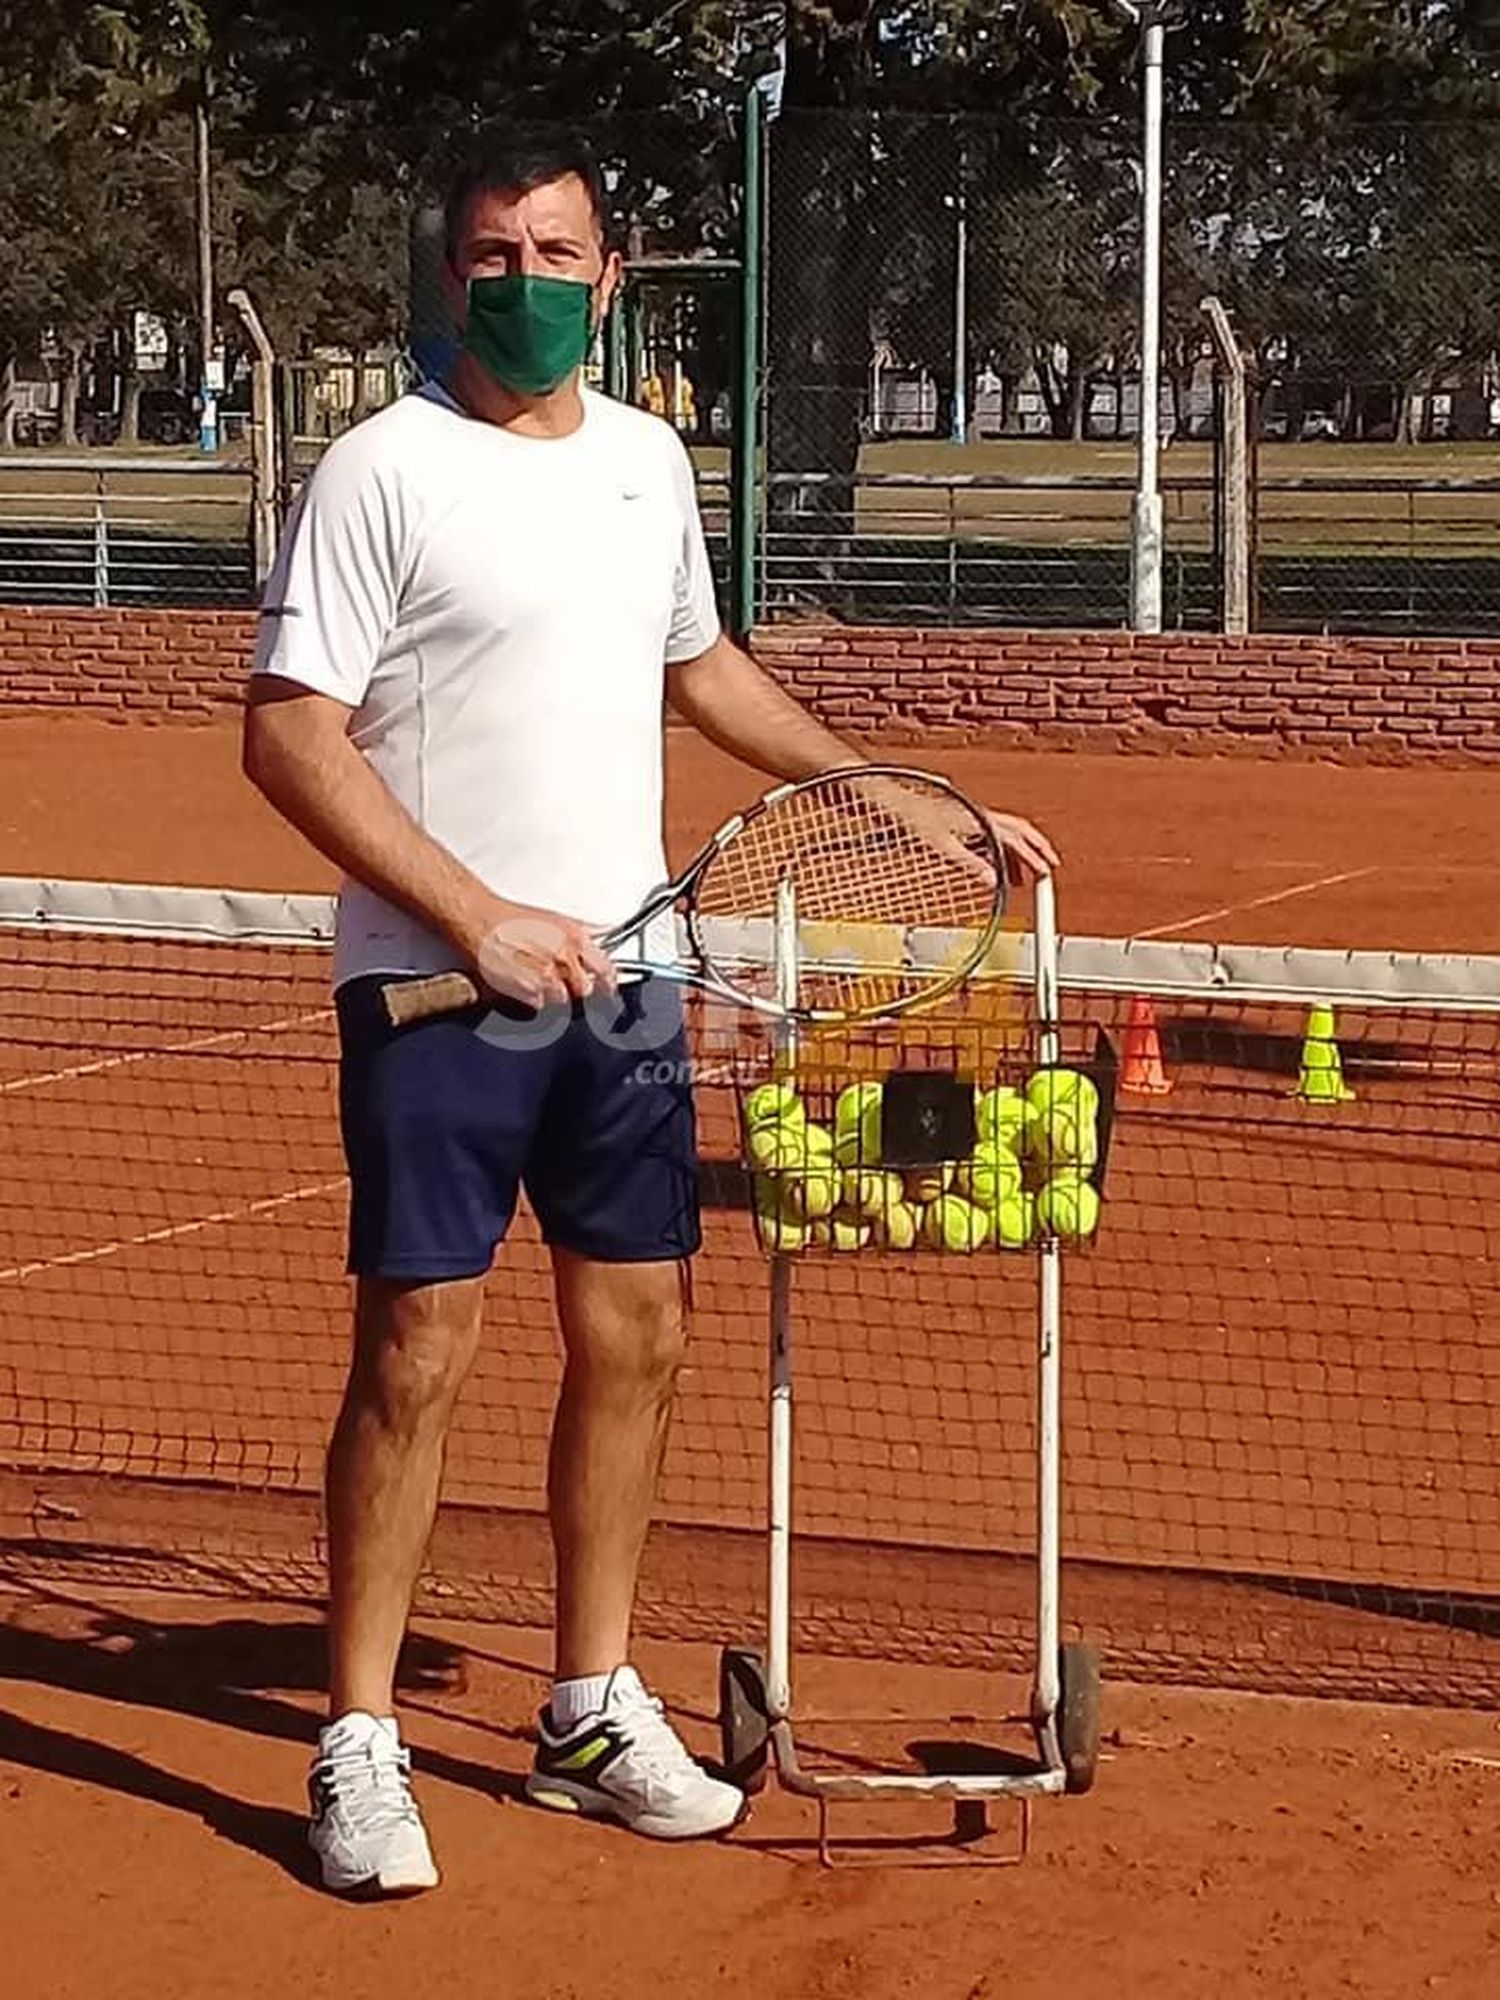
{"x":515,"y":162}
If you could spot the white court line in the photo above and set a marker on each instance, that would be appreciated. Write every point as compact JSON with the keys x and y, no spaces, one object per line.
{"x":1196,"y":861}
{"x":1271,"y":862}
{"x":1180,"y":924}
{"x":37,"y":1078}
{"x":164,"y":1235}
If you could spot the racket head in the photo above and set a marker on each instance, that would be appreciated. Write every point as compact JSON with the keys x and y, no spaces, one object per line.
{"x":899,"y":887}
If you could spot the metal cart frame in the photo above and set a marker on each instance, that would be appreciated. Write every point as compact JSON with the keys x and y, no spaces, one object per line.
{"x":755,"y":1700}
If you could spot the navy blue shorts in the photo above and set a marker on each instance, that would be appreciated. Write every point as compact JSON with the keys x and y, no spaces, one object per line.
{"x":589,"y":1108}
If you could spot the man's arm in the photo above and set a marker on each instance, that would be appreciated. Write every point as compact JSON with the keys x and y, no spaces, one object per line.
{"x":738,"y":707}
{"x":298,"y":754}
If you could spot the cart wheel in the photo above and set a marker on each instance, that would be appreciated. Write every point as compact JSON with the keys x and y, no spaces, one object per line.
{"x":1078,"y":1715}
{"x":744,"y":1718}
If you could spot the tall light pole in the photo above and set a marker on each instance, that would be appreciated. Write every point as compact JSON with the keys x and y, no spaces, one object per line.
{"x":960,"y":428}
{"x":211,"y":381}
{"x":1146,"y":512}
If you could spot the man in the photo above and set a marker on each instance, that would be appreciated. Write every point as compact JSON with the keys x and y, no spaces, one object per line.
{"x":480,"y":602}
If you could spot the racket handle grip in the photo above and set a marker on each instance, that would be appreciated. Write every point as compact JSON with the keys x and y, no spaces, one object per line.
{"x":408,"y":1000}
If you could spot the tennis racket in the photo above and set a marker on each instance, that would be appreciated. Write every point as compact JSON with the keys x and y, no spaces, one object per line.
{"x":897,"y":882}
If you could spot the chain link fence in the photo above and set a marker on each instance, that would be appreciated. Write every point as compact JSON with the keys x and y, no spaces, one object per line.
{"x":952,"y":377}
{"x":949,"y":380}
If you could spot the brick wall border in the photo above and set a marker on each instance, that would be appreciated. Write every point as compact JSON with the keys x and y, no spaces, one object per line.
{"x":155,"y":666}
{"x":1353,"y":700}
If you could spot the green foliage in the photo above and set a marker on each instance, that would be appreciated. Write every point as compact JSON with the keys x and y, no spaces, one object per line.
{"x":1296,"y":188}
{"x":95,"y":175}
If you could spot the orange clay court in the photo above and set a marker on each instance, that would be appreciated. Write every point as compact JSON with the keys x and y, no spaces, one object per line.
{"x":1282,"y":1363}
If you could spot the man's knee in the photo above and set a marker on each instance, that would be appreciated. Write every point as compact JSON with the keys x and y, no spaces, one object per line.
{"x":628,"y":1322}
{"x":414,"y":1344}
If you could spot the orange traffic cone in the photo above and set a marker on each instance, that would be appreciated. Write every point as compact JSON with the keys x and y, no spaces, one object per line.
{"x":1141,"y":1068}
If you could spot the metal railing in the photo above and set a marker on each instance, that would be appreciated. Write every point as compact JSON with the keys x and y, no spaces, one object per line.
{"x":977,"y":548}
{"x":99,"y":529}
{"x":1382,"y":551}
{"x":1377,"y":552}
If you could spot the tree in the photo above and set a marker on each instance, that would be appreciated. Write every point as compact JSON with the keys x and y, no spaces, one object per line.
{"x":1069,"y":248}
{"x":93,"y":228}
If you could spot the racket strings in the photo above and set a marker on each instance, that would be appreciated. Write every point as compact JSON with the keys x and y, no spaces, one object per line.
{"x":869,"y":860}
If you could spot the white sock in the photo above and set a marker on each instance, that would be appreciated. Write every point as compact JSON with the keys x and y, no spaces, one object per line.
{"x":354,"y":1729}
{"x":572,"y":1702}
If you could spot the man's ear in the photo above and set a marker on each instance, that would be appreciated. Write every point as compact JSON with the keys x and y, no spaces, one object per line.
{"x":608,"y":285}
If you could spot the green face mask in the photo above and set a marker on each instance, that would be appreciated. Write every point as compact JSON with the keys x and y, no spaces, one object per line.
{"x":529,"y":333}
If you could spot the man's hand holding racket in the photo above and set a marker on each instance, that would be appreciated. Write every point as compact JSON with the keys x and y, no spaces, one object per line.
{"x":537,"y":957}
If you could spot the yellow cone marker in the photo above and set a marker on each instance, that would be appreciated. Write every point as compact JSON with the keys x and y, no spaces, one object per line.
{"x":1321,"y":1079}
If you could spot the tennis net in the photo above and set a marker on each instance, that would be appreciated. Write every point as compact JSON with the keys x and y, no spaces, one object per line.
{"x":1282,"y":1351}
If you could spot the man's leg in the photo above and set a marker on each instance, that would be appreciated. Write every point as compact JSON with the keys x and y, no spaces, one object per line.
{"x":436,"y":1121}
{"x":613,"y":1178}
{"x":604,"y":1745}
{"x":413,"y":1346}
{"x":624,"y":1331}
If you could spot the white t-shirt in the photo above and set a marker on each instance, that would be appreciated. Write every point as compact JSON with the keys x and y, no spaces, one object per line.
{"x":497,"y":611}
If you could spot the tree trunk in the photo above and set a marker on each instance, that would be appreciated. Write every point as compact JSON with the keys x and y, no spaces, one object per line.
{"x":72,"y":382}
{"x":131,"y":386}
{"x":8,"y":402}
{"x":1054,"y":392}
{"x":1294,"y":396}
{"x":361,"y":407}
{"x":1181,"y":379}
{"x":1406,"y":423}
{"x":1262,"y":404}
{"x":1079,"y":381}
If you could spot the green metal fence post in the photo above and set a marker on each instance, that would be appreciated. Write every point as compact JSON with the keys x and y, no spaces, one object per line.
{"x":616,"y":365}
{"x":745,"y":498}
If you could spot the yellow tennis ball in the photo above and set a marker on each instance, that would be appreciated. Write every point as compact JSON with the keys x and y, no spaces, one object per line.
{"x":856,"y":1125}
{"x":1052,"y":1088}
{"x":810,"y":1192}
{"x":925,"y":1184}
{"x":839,"y":1232}
{"x":778,"y":1230}
{"x":1068,"y":1207}
{"x":794,"y":1148}
{"x":951,"y":1223}
{"x":773,"y":1103}
{"x":897,"y":1227}
{"x":869,"y":1192}
{"x":1062,"y":1136}
{"x":777,"y":1147}
{"x":1013,"y":1220}
{"x":763,"y":1143}
{"x":1000,"y":1117}
{"x":989,"y":1173}
{"x":855,"y":1100}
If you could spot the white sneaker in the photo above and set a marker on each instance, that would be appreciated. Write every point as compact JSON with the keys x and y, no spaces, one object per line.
{"x":366,"y":1830}
{"x":627,"y":1763}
